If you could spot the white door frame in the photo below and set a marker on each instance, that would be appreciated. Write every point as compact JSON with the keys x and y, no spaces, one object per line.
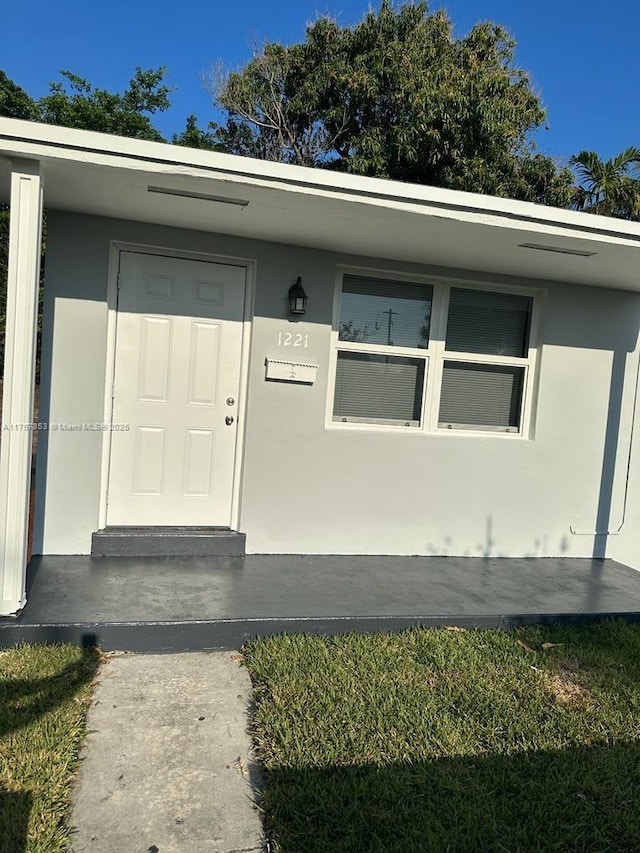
{"x":249,"y":265}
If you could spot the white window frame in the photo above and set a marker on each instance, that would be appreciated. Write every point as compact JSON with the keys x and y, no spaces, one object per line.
{"x":435,"y":356}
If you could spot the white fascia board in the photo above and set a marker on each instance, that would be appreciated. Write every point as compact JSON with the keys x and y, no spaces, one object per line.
{"x":48,"y":142}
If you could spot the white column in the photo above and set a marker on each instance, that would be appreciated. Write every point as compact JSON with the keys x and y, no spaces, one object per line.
{"x":25,"y":232}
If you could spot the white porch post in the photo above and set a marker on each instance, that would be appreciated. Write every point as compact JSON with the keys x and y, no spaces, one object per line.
{"x":19,"y":366}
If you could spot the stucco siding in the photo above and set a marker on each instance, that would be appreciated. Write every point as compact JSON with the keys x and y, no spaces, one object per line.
{"x":311,"y":488}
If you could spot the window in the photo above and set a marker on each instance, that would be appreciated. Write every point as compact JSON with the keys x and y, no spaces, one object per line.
{"x":373,"y":387}
{"x":397,"y":365}
{"x":476,"y":393}
{"x":383,"y":331}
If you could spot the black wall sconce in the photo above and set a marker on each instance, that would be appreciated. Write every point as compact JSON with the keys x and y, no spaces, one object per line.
{"x":297,"y":298}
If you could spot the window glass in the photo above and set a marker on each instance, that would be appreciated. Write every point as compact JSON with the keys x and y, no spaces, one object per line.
{"x":391,"y":313}
{"x":378,"y":388}
{"x":489,"y":323}
{"x":488,"y":395}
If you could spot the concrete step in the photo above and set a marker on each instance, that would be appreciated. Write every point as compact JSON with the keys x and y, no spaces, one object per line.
{"x":167,"y":542}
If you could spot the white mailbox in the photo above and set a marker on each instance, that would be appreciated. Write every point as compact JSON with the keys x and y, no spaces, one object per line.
{"x":291,"y":371}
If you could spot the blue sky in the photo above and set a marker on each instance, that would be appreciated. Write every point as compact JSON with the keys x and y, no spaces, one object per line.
{"x":583,"y":57}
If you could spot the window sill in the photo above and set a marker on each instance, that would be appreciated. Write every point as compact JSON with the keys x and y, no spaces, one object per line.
{"x":425,"y":433}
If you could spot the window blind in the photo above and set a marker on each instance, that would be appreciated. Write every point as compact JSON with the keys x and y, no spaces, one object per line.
{"x":373,"y":387}
{"x":481,"y":395}
{"x":490,"y":323}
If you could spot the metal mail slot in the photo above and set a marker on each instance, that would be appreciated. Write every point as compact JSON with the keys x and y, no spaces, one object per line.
{"x":291,"y":371}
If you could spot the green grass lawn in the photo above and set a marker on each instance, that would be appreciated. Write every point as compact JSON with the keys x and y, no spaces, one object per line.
{"x":449,"y":740}
{"x":44,"y":695}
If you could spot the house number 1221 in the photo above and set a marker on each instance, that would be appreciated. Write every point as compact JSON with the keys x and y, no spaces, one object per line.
{"x":288,"y":339}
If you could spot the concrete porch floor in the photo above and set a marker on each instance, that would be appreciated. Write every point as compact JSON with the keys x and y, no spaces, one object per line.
{"x":189,"y":603}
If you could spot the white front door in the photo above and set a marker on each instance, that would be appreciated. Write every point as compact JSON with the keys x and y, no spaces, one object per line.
{"x":175,"y":397}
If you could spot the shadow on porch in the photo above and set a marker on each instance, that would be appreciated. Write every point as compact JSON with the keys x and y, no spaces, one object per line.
{"x":164,"y":604}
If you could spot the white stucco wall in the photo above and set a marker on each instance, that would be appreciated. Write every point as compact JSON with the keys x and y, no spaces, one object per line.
{"x":311,"y":489}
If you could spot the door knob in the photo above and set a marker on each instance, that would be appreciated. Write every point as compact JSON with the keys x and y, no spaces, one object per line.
{"x":229,"y":420}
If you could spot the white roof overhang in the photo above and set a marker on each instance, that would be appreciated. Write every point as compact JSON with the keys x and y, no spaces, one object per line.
{"x":111,"y":176}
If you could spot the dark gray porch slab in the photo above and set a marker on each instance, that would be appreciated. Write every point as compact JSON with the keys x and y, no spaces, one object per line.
{"x":172,"y":604}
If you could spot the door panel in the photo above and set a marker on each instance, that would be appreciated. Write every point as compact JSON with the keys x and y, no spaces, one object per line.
{"x":178,"y":352}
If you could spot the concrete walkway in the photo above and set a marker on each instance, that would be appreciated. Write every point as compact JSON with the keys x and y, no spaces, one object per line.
{"x":166,"y":766}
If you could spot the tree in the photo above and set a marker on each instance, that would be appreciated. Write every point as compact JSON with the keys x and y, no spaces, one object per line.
{"x":396,"y":96}
{"x":73,"y":102}
{"x":14,"y":101}
{"x":611,"y":187}
{"x":193,"y":137}
{"x":273,"y":107}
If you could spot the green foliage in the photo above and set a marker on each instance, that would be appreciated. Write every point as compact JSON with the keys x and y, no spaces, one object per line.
{"x":14,"y":101}
{"x":273,"y":107}
{"x":73,"y":102}
{"x":193,"y":137}
{"x":611,"y":187}
{"x":397,"y":96}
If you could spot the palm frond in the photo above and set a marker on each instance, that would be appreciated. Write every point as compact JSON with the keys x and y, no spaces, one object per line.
{"x":629,"y":157}
{"x":609,"y":188}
